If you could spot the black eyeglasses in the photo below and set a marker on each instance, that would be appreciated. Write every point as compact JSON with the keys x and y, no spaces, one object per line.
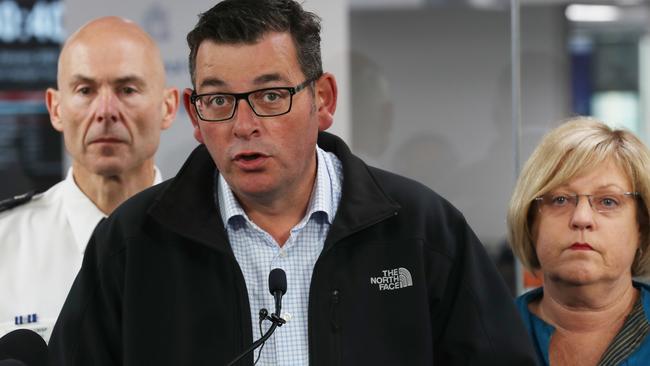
{"x":267,"y":102}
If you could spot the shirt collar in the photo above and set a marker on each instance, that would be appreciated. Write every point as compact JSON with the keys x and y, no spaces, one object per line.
{"x":320,"y":200}
{"x":321,"y":196}
{"x":81,"y":212}
{"x":157,"y":177}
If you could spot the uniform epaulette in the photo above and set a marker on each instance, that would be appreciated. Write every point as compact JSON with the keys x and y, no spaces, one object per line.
{"x":10,"y":203}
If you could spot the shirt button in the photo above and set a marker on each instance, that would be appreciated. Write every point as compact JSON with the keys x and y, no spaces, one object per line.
{"x":283,"y":253}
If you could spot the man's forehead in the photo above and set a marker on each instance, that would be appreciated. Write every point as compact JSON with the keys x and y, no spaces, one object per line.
{"x":99,"y":49}
{"x":114,"y":62}
{"x":272,"y":58}
{"x":110,"y":28}
{"x":77,"y":70}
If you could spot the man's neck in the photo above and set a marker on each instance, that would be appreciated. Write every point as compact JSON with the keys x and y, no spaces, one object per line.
{"x":278,"y":212}
{"x":109,"y":191}
{"x":587,"y":308}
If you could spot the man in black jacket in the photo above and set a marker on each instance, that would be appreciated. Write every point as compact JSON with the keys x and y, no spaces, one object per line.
{"x":380,"y":269}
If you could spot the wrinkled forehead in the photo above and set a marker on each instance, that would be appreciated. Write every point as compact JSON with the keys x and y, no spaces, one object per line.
{"x":271,"y":58}
{"x":105,"y":54}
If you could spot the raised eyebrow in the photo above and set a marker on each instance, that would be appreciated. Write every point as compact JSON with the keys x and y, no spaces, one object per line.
{"x":212,"y":82}
{"x":267,"y":78}
{"x":260,"y":80}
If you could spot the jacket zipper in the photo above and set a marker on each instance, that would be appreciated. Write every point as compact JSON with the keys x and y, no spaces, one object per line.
{"x":335,"y":299}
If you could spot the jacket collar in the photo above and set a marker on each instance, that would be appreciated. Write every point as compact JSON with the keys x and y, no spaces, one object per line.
{"x":363,"y":202}
{"x":187,"y":205}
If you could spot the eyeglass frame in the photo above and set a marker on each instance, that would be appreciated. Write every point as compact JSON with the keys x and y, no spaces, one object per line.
{"x":540,"y":199}
{"x":239,"y":96}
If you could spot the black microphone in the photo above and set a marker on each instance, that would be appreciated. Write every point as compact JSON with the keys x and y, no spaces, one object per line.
{"x":277,"y":288}
{"x":23,"y":346}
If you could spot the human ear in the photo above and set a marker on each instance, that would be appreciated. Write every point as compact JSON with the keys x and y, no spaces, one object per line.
{"x":191,"y":112}
{"x":53,"y":107}
{"x":169,"y":107}
{"x":326,"y":93}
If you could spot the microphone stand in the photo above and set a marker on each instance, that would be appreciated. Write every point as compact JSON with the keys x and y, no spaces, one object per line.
{"x":277,"y":322}
{"x":277,"y":288}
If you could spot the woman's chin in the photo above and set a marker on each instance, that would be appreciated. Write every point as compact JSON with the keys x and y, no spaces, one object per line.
{"x":574,"y":276}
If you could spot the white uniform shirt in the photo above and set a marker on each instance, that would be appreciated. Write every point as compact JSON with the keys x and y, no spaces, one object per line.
{"x":41,"y":248}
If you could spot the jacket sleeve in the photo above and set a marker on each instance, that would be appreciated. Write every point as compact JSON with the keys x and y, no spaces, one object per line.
{"x":481,"y":325}
{"x":88,"y":330}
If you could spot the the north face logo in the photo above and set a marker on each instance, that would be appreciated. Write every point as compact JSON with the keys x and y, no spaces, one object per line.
{"x":393,"y":279}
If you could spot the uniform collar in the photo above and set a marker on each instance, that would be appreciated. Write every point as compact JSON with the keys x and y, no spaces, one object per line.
{"x":81,"y":213}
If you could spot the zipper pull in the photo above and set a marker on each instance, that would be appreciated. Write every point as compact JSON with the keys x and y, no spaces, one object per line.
{"x":335,"y":297}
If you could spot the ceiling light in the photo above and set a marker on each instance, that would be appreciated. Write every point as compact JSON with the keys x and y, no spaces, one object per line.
{"x":592,"y":13}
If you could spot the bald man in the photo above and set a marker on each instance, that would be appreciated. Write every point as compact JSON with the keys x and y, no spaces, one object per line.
{"x":111,"y":105}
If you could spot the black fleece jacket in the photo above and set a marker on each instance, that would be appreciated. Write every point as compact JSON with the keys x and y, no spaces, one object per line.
{"x":401,"y":280}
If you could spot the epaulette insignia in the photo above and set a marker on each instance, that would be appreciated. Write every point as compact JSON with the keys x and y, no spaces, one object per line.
{"x":10,"y":203}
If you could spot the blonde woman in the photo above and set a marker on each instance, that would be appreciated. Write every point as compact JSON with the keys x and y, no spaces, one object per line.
{"x":578,"y":217}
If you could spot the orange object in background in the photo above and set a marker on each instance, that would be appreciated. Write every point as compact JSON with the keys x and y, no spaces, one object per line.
{"x":532,"y":281}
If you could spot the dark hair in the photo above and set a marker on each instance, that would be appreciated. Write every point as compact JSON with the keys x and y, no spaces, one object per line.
{"x":246,"y":21}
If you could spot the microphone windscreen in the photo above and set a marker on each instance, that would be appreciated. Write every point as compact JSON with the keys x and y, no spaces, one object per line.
{"x":25,"y":346}
{"x":12,"y":362}
{"x":277,"y":281}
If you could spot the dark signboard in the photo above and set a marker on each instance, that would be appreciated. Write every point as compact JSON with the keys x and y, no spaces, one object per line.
{"x":31,"y":34}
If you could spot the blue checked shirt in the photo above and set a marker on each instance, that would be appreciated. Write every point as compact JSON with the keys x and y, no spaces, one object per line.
{"x":258,"y":253}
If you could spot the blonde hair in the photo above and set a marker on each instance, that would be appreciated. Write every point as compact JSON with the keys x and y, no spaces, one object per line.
{"x":578,"y":145}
